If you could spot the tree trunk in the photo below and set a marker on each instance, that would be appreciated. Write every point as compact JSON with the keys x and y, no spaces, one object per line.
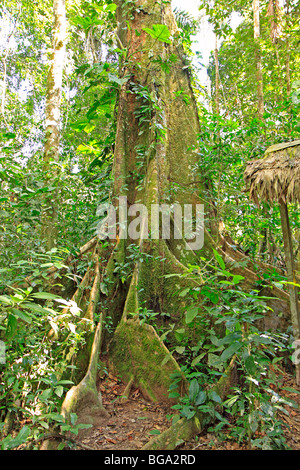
{"x":287,"y":53}
{"x":52,"y":122}
{"x":217,"y":81}
{"x":259,"y":76}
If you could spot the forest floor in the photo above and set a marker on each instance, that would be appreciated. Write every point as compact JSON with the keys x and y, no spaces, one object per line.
{"x":133,"y":423}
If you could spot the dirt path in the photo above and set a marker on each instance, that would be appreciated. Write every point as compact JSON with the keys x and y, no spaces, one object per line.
{"x":134,"y":422}
{"x":131,"y":423}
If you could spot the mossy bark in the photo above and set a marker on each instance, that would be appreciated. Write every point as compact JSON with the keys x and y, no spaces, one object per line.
{"x":84,"y":398}
{"x":155,"y":163}
{"x":139,"y":355}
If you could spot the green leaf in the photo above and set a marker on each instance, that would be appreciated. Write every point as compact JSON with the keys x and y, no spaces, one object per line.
{"x":191,"y":313}
{"x":219,"y":259}
{"x":214,"y":396}
{"x":44,"y":295}
{"x":115,"y":79}
{"x":73,"y":418}
{"x":201,"y":398}
{"x":34,"y":307}
{"x":44,"y":396}
{"x":184,"y":292}
{"x":231,"y":401}
{"x":230,"y":338}
{"x":154,"y":431}
{"x":160,"y":32}
{"x":6,"y":300}
{"x":59,"y":390}
{"x":84,"y":426}
{"x":89,"y":128}
{"x":289,"y":389}
{"x":250,"y":365}
{"x":193,"y":390}
{"x":253,"y":422}
{"x":232,"y":349}
{"x":44,"y":424}
{"x":24,"y":316}
{"x":111,"y":7}
{"x":188,"y":412}
{"x":197,"y":359}
{"x":236,"y":278}
{"x":11,"y":326}
{"x":214,"y":360}
{"x":55,"y":416}
{"x":210,"y":294}
{"x":180,"y":349}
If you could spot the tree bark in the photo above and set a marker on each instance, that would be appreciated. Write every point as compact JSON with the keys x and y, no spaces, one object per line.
{"x":287,"y":52}
{"x":217,"y":81}
{"x":259,"y":75}
{"x":291,"y":275}
{"x":53,"y":120}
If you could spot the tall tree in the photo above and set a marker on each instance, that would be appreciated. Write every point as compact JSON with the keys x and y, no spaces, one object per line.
{"x":259,"y":76}
{"x":53,"y":119}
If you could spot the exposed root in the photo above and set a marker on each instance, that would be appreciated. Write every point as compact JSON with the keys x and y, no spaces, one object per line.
{"x":185,"y":429}
{"x":94,"y":295}
{"x":137,"y":351}
{"x":127,"y":390}
{"x":83,"y":399}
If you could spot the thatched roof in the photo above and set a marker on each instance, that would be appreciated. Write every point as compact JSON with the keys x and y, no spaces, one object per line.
{"x":276,"y":175}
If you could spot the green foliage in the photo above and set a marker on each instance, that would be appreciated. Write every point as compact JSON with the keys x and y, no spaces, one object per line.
{"x":31,"y":388}
{"x":221,"y":325}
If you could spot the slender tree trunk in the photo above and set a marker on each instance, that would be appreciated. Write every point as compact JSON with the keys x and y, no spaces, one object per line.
{"x":290,"y":267}
{"x":259,"y":76}
{"x":287,"y":53}
{"x":217,"y":81}
{"x":4,"y":63}
{"x":52,"y":121}
{"x":274,"y":13}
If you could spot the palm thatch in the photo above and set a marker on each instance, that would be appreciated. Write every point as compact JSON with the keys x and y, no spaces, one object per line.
{"x":277,"y":175}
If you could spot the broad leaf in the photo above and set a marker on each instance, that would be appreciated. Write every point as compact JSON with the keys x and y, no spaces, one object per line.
{"x":44,"y":295}
{"x":230,"y":351}
{"x":160,"y":32}
{"x":191,"y":313}
{"x":193,"y":390}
